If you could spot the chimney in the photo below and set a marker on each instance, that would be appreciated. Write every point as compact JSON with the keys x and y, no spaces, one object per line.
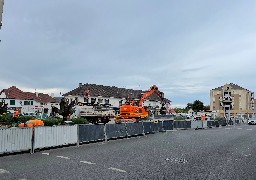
{"x":80,"y":84}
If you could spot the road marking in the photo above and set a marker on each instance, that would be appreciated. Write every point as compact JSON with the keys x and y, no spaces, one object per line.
{"x":46,"y":154}
{"x":62,"y":157}
{"x":239,"y":128}
{"x":3,"y":171}
{"x":227,"y":128}
{"x":119,"y":170}
{"x":87,"y":162}
{"x":249,"y":129}
{"x":170,"y":130}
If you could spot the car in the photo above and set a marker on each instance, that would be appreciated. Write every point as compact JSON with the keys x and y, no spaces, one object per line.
{"x":251,"y":121}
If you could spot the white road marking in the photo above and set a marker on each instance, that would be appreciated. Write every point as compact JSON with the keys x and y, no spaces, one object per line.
{"x":46,"y":154}
{"x":119,"y":170}
{"x":3,"y":171}
{"x":170,"y":130}
{"x":227,"y":128}
{"x":249,"y":129}
{"x":87,"y":162}
{"x":62,"y":157}
{"x":239,"y":128}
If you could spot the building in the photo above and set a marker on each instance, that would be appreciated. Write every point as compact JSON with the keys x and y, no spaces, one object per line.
{"x":92,"y":93}
{"x":232,"y":97}
{"x":1,"y":11}
{"x":27,"y":102}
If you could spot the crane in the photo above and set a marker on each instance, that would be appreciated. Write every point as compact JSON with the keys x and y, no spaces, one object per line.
{"x":130,"y":111}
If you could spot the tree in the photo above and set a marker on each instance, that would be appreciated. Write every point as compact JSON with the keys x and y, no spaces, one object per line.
{"x":197,"y":106}
{"x":189,"y":106}
{"x":206,"y":108}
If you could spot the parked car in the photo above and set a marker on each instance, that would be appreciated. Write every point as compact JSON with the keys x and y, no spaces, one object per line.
{"x":251,"y":121}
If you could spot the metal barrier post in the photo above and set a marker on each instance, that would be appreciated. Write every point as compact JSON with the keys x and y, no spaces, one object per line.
{"x":105,"y":133}
{"x":77,"y":144}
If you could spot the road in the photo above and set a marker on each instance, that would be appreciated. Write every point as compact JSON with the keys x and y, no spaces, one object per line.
{"x":217,"y":153}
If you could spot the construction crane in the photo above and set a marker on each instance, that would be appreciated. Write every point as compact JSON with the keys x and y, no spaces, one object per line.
{"x":134,"y":111}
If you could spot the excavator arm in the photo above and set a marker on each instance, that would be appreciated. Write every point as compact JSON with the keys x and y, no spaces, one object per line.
{"x":153,"y":89}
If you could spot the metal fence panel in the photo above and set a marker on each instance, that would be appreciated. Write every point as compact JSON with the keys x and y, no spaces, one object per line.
{"x":196,"y":124}
{"x":168,"y":125}
{"x":155,"y":126}
{"x":91,"y":132}
{"x":182,"y":124}
{"x":204,"y":123}
{"x":115,"y":130}
{"x":134,"y":129}
{"x":147,"y":127}
{"x":211,"y":123}
{"x":15,"y":140}
{"x":54,"y":136}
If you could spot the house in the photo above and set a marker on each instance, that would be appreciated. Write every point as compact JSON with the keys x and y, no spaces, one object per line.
{"x":92,"y":93}
{"x":27,"y":102}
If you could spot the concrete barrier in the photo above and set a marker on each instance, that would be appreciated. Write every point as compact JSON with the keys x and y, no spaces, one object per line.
{"x":54,"y":136}
{"x":15,"y":140}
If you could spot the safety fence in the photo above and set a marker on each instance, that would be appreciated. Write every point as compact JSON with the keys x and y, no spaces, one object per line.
{"x":25,"y":139}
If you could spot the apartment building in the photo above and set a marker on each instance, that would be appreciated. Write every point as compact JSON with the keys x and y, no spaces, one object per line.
{"x":241,"y":100}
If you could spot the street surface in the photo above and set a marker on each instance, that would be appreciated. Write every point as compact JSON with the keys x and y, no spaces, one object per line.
{"x":217,"y":153}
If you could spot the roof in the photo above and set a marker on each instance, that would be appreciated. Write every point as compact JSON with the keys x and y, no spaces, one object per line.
{"x":110,"y":91}
{"x":233,"y":86}
{"x":15,"y":93}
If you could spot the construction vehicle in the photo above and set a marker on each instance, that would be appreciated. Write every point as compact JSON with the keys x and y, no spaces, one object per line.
{"x":95,"y":114}
{"x":133,"y":111}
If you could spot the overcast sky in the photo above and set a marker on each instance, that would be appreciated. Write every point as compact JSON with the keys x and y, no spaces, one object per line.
{"x":184,"y":47}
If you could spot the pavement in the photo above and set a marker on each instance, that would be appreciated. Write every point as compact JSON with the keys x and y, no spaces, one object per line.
{"x":218,"y":153}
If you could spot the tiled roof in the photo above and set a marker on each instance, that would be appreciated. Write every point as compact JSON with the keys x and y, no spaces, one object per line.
{"x":15,"y":93}
{"x":233,"y":86}
{"x":110,"y":91}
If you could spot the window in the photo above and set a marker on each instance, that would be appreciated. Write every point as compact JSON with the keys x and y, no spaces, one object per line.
{"x":31,"y":103}
{"x":26,"y":103}
{"x":106,"y":101}
{"x":12,"y":102}
{"x":100,"y":100}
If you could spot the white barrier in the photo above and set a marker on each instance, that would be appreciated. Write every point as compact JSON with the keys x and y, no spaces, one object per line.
{"x":15,"y":140}
{"x":196,"y":124}
{"x":204,"y":124}
{"x":54,"y":136}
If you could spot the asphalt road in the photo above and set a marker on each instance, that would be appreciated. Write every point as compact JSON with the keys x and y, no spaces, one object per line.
{"x":218,"y":153}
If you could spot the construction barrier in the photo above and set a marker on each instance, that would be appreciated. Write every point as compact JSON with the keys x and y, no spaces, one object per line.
{"x":168,"y":125}
{"x":147,"y":127}
{"x":54,"y":136}
{"x":115,"y":131}
{"x":211,"y":123}
{"x":164,"y":116}
{"x":182,"y":124}
{"x":204,"y":123}
{"x":15,"y":140}
{"x":90,"y":132}
{"x":197,"y":124}
{"x":134,"y":129}
{"x":155,"y":126}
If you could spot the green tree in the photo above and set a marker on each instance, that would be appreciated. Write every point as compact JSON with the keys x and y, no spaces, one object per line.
{"x":197,"y":106}
{"x":189,"y":106}
{"x":206,"y":108}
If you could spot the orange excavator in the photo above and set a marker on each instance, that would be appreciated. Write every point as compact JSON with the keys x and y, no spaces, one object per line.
{"x":133,"y":111}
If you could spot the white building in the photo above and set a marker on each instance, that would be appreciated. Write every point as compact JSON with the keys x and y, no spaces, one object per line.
{"x":1,"y":11}
{"x":27,"y":102}
{"x":92,"y":93}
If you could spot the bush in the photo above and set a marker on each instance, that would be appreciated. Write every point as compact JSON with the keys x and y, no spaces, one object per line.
{"x":179,"y":118}
{"x":79,"y":121}
{"x":52,"y":121}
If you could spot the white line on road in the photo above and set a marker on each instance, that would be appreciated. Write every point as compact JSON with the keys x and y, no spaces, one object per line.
{"x":239,"y":128}
{"x":3,"y":171}
{"x":46,"y":154}
{"x":119,"y":170}
{"x":87,"y":162}
{"x":249,"y":129}
{"x":227,"y":128}
{"x":63,"y":157}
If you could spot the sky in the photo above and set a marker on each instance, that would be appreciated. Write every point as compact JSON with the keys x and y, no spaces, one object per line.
{"x":184,"y":47}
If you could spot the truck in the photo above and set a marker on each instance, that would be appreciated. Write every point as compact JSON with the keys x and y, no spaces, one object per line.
{"x":96,"y":114}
